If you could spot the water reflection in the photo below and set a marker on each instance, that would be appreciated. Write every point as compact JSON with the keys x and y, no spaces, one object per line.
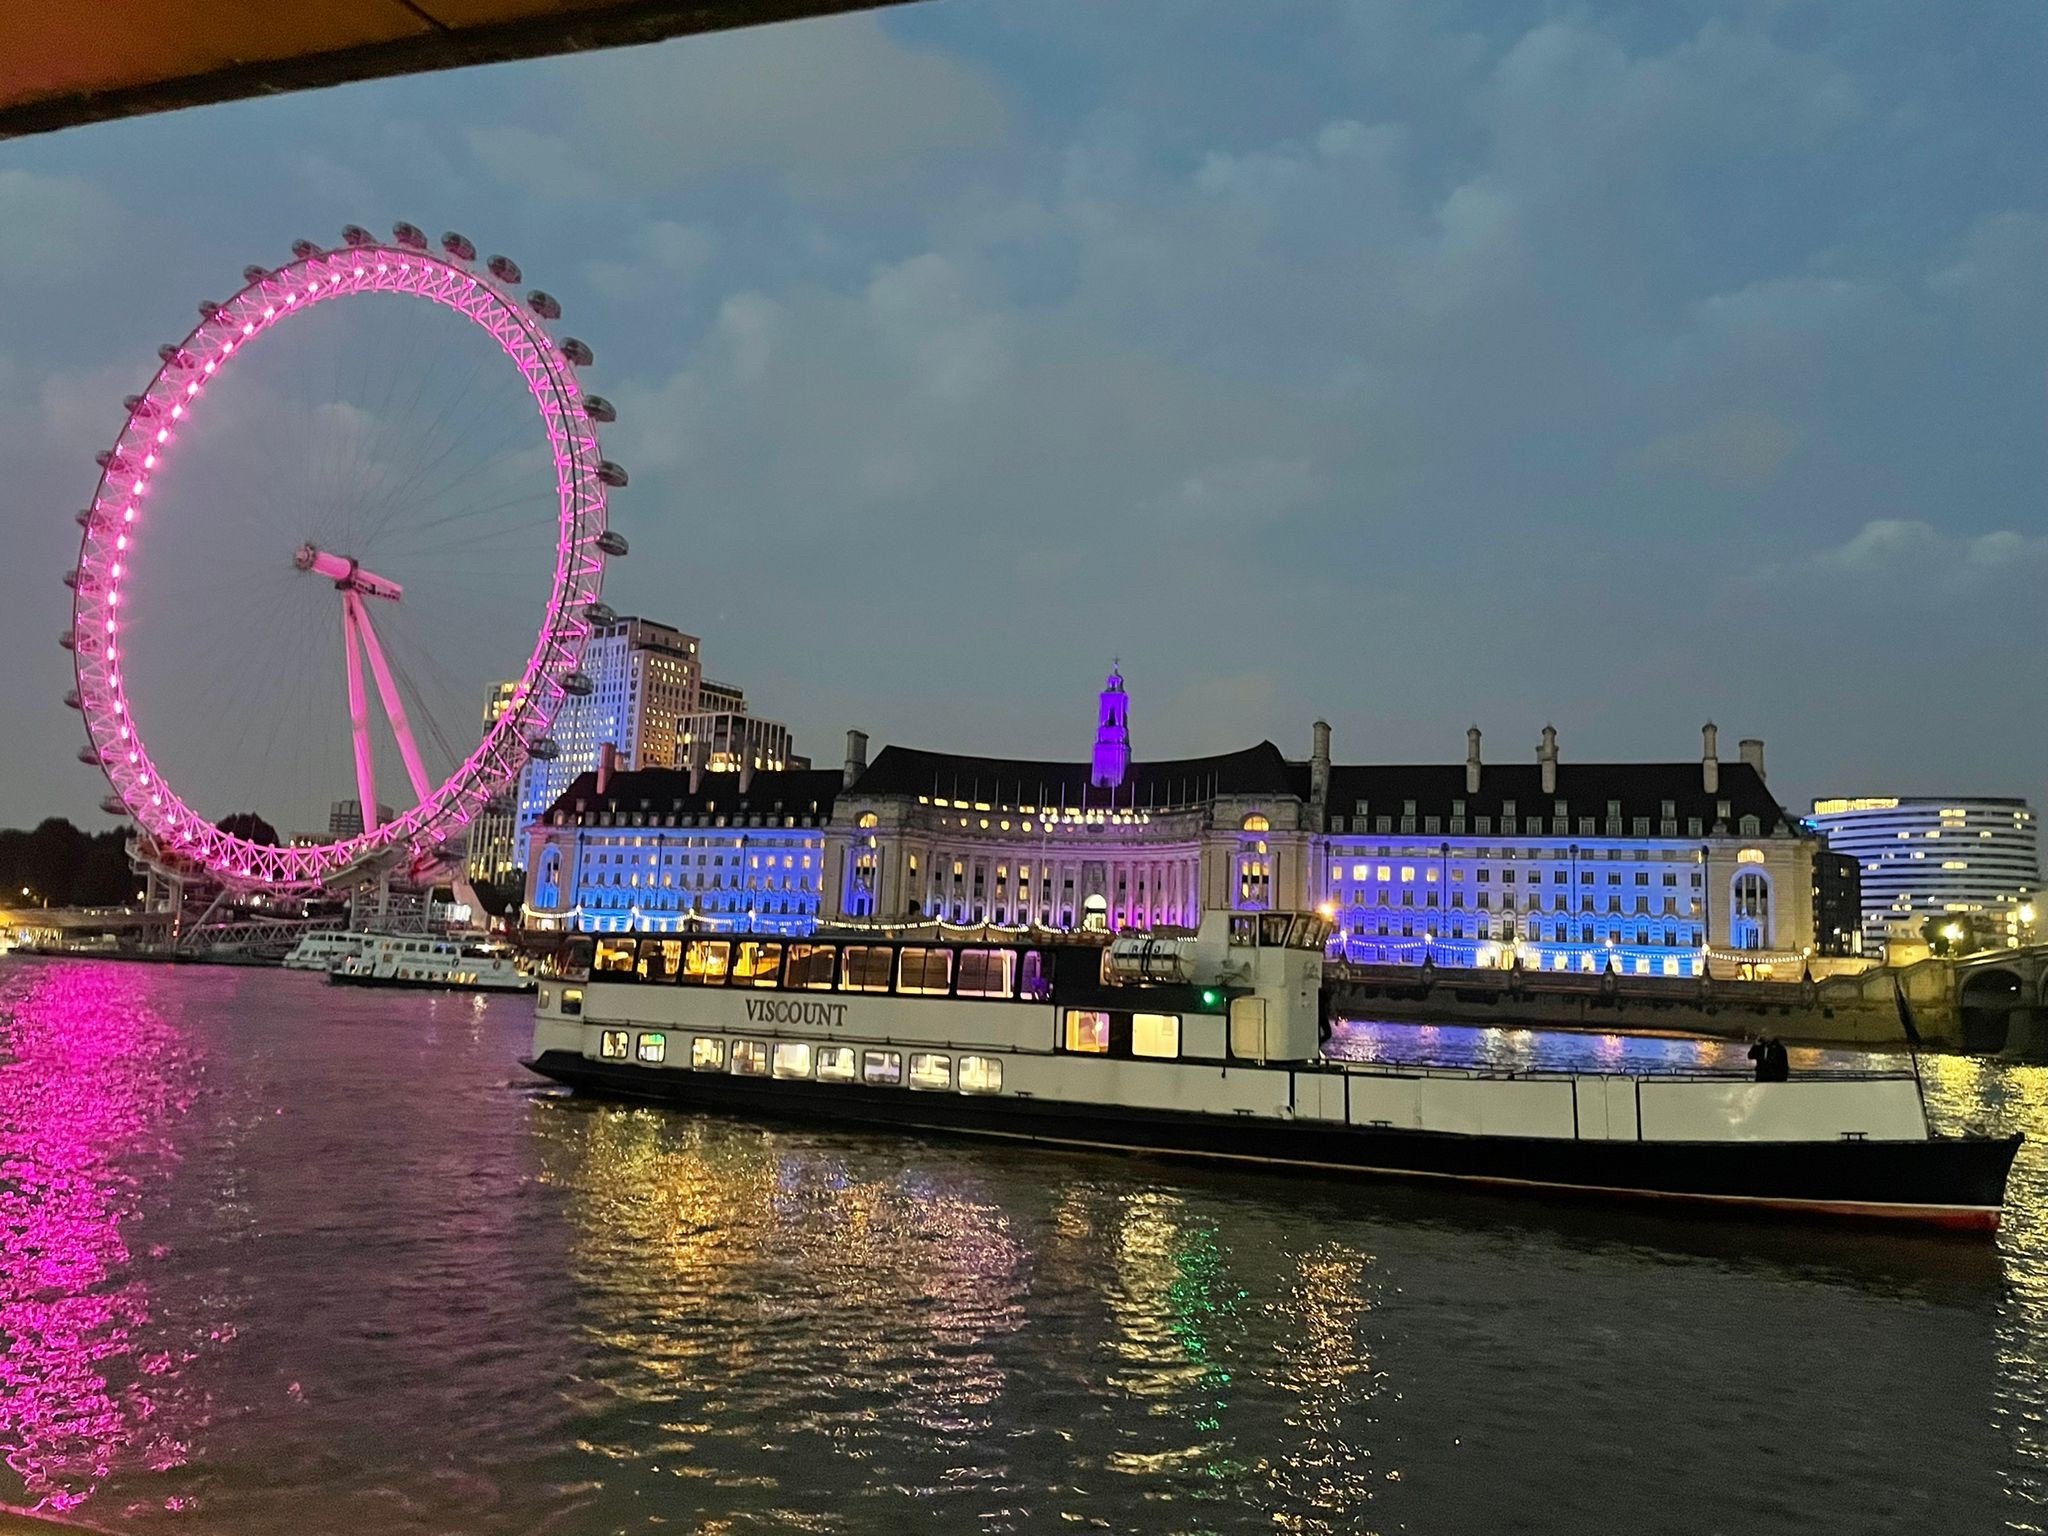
{"x":92,"y":1076}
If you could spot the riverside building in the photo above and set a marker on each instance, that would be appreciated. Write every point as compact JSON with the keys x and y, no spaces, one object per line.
{"x":1925,"y":856}
{"x":1640,"y":867}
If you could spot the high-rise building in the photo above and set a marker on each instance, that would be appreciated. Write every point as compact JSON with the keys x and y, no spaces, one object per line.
{"x":345,"y":819}
{"x":644,"y":678}
{"x":493,"y":836}
{"x":726,"y":742}
{"x":716,"y":698}
{"x":1926,"y":856}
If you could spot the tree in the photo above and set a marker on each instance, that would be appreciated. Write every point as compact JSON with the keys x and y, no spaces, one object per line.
{"x":1961,"y":933}
{"x":250,"y":827}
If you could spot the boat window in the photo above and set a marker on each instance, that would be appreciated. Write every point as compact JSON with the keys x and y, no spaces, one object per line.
{"x":1155,"y":1034}
{"x":750,"y":1058}
{"x":865,"y":969}
{"x":614,"y":956}
{"x":884,"y":1067}
{"x":547,"y":998}
{"x":572,"y":1002}
{"x":653,"y":1047}
{"x":706,"y":961}
{"x":660,"y":959}
{"x":809,"y":966}
{"x":835,"y":1063}
{"x":1244,"y":931}
{"x":925,"y":971}
{"x":759,"y":965}
{"x":707,"y":1055}
{"x":1087,"y":1030}
{"x":929,"y":1070}
{"x":1301,"y":933}
{"x":981,"y":1074}
{"x":792,"y":1058}
{"x":988,"y":972}
{"x":1035,"y":983}
{"x":1273,"y":929}
{"x":575,"y":956}
{"x":615,"y":1044}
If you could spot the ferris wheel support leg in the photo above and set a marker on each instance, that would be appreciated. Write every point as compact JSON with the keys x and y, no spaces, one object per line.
{"x":394,"y":706}
{"x":359,"y":710}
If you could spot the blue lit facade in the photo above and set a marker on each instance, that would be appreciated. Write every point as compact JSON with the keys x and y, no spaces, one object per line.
{"x":645,"y":853}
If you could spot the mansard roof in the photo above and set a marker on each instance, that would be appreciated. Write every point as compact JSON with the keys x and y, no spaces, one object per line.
{"x":1255,"y":771}
{"x":666,"y":792}
{"x":1585,"y":788}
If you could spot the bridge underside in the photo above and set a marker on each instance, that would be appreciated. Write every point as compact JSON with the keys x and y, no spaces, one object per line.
{"x":66,"y":64}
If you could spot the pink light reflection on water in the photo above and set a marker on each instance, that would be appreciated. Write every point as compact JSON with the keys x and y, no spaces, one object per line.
{"x":90,"y":1076}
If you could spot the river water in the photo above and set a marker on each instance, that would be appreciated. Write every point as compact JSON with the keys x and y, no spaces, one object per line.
{"x":276,"y":1257}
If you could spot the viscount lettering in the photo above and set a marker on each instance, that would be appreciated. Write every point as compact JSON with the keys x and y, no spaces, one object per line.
{"x":770,"y":1010}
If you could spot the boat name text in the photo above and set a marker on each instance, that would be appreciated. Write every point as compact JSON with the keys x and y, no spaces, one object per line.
{"x":768,"y":1010}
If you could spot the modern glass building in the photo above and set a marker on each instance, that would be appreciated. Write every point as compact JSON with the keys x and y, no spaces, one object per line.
{"x":1925,"y":855}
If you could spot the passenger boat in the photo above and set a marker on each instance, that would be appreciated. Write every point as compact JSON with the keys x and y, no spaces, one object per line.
{"x":325,"y":950}
{"x":1211,"y":1047}
{"x":431,"y":964}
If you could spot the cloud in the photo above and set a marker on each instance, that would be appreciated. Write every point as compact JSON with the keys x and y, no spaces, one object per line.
{"x":824,"y":104}
{"x":1740,"y":450}
{"x":1894,"y":559}
{"x":56,"y":228}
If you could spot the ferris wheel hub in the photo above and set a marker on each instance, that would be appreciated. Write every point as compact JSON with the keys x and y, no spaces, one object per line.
{"x":347,"y":575}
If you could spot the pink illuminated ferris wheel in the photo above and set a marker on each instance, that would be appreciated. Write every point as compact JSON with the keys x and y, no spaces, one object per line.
{"x":314,"y":554}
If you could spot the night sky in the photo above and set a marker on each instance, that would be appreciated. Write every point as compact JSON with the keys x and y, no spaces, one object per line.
{"x":1410,"y":365}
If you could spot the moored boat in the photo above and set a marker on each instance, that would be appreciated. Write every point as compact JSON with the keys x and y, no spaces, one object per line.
{"x":1211,"y":1047}
{"x":424,"y":963}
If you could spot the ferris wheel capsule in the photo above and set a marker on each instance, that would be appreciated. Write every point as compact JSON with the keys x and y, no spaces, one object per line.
{"x":114,"y":805}
{"x":612,"y":542}
{"x":72,"y":700}
{"x":458,"y":247}
{"x":600,"y":613}
{"x":613,"y":475}
{"x":355,"y":234}
{"x":409,"y":236}
{"x":505,"y":270}
{"x":578,"y":352}
{"x":597,"y":408}
{"x":543,"y":750}
{"x":175,"y":355}
{"x":252,"y":275}
{"x":544,"y":305}
{"x":69,"y":641}
{"x":82,"y":517}
{"x":304,"y":250}
{"x":578,"y":685}
{"x":208,"y":309}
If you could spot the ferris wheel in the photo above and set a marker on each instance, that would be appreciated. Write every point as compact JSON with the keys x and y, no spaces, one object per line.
{"x":305,"y":564}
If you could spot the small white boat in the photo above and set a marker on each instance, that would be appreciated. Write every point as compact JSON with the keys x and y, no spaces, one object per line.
{"x":325,"y":950}
{"x":426,"y":963}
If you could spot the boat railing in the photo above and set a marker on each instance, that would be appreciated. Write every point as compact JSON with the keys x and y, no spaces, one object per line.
{"x":1469,"y":1071}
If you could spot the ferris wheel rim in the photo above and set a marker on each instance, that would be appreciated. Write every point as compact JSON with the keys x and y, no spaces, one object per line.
{"x":151,"y":426}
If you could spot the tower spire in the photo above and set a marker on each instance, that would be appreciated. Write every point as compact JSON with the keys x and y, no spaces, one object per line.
{"x":1112,"y":732}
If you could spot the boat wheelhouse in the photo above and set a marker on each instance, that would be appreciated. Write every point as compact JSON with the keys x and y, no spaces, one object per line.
{"x":1211,"y":1046}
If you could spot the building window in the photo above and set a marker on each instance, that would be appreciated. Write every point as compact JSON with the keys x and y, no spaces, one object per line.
{"x":930,"y":1070}
{"x":835,"y":1063}
{"x":707,"y":1055}
{"x":1087,"y":1031}
{"x":653,"y":1047}
{"x":981,"y":1074}
{"x":1257,"y":823}
{"x":1750,"y":910}
{"x":882,"y":1068}
{"x":792,"y":1058}
{"x":750,"y":1058}
{"x":615,"y":1044}
{"x":1155,"y":1034}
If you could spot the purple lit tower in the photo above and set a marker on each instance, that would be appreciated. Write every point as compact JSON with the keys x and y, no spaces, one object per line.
{"x":1112,"y":733}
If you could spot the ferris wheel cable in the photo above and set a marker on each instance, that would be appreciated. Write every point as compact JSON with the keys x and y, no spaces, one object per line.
{"x":472,"y":541}
{"x":484,"y":510}
{"x":400,"y":498}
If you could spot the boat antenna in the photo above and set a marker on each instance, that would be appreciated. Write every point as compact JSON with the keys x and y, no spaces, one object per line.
{"x":1912,"y":1034}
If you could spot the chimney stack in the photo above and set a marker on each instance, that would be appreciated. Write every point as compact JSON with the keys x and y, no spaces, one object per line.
{"x":1710,"y":760}
{"x":1472,"y":761}
{"x":1752,"y":751}
{"x":607,"y":762}
{"x":697,"y":762}
{"x":856,"y":755}
{"x":1546,"y":754}
{"x":1319,"y":765}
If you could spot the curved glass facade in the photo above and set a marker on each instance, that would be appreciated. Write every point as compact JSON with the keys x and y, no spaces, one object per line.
{"x":1922,"y":855}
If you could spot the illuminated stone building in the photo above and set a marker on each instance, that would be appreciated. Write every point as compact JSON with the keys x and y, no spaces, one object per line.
{"x":1639,"y":867}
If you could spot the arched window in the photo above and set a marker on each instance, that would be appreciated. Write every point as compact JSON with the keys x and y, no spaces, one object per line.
{"x":869,"y":819}
{"x":1749,"y":924}
{"x":1257,"y":823}
{"x":549,"y":887}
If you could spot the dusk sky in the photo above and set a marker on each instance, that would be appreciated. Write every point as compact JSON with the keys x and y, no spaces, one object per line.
{"x":1409,"y":365}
